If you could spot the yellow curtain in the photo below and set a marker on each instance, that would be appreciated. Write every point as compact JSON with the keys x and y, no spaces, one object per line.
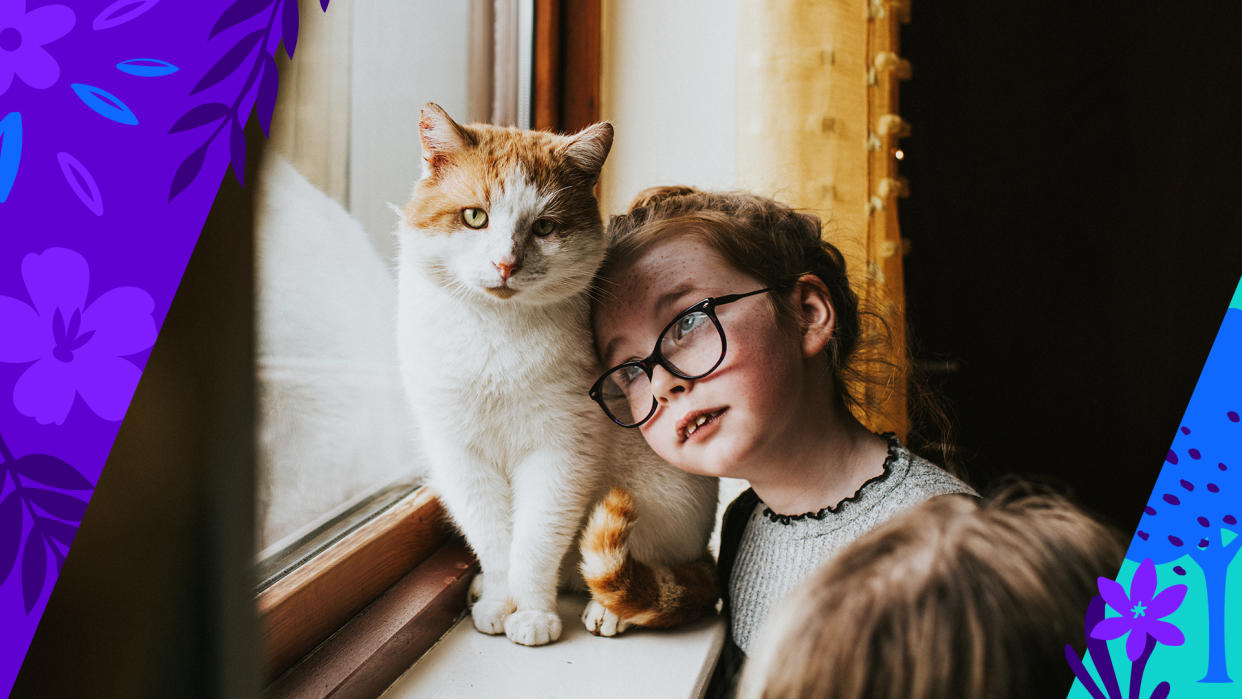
{"x":817,"y":128}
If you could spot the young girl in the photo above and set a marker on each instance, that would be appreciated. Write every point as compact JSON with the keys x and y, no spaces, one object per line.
{"x":729,"y":326}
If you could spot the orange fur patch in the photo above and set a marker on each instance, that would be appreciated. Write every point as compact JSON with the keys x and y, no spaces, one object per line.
{"x":465,"y":177}
{"x":659,"y":596}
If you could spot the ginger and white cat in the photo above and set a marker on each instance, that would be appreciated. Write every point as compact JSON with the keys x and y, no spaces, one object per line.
{"x":498,"y":247}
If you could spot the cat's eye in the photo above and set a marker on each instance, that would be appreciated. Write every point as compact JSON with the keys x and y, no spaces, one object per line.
{"x":474,"y":218}
{"x":542,"y":227}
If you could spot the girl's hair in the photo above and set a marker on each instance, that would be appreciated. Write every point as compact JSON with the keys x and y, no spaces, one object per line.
{"x":775,"y":244}
{"x":956,"y":598}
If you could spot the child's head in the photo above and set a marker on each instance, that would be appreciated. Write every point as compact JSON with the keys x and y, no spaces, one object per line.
{"x":755,"y":235}
{"x":677,"y":246}
{"x":954,"y":599}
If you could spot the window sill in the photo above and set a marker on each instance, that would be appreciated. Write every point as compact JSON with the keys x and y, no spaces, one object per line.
{"x":302,"y":609}
{"x":366,"y":654}
{"x":639,"y":663}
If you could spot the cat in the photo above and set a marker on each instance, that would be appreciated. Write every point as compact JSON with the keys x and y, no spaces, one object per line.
{"x":498,"y":247}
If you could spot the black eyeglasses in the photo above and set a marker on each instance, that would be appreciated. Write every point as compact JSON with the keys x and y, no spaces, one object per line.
{"x":690,"y":347}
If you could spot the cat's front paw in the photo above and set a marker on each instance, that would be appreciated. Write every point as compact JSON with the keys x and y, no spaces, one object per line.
{"x":601,"y":622}
{"x":490,"y":615}
{"x":532,"y":627}
{"x":476,"y":590}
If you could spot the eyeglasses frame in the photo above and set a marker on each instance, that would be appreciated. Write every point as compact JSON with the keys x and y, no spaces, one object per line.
{"x":707,"y":306}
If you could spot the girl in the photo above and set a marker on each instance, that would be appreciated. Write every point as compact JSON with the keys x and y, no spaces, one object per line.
{"x":729,"y":328}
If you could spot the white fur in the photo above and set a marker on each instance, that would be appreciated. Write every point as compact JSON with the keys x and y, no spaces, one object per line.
{"x":498,"y":390}
{"x":602,"y":622}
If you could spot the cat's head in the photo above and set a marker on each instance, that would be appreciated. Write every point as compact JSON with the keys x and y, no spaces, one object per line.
{"x":503,"y":215}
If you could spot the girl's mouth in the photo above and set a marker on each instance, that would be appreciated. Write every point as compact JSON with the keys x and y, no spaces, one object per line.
{"x":699,"y":425}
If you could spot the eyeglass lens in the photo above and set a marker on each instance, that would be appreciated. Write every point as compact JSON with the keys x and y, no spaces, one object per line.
{"x":692,"y":346}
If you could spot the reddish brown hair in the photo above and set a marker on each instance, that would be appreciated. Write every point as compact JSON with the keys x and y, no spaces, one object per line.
{"x":767,"y":240}
{"x":954,"y":599}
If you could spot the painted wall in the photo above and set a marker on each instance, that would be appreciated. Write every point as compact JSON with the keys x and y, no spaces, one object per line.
{"x":667,"y":87}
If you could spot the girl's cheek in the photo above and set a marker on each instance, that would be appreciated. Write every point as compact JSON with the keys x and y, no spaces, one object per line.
{"x":659,"y":445}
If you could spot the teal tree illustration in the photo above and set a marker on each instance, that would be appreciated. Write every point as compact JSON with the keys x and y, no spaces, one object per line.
{"x":1197,"y":500}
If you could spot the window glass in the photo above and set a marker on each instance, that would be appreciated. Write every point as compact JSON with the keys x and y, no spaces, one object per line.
{"x":334,"y":435}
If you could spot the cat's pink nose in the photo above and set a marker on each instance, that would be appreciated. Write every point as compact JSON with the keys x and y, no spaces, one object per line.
{"x":506,"y":270}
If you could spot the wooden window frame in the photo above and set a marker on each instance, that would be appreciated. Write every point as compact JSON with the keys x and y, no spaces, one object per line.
{"x":306,"y":606}
{"x":567,"y":64}
{"x":353,"y":618}
{"x":376,"y":646}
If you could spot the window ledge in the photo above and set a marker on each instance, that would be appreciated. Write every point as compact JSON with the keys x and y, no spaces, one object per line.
{"x":365,"y":655}
{"x":639,"y":663}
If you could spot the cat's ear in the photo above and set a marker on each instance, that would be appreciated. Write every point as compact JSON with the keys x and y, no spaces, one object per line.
{"x":440,"y":135}
{"x":588,"y":148}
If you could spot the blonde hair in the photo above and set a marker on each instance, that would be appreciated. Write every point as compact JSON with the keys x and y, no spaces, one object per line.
{"x":956,"y":598}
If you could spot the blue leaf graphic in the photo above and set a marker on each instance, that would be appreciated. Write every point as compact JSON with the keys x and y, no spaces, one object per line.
{"x":10,"y":533}
{"x":52,"y":471}
{"x":105,"y":104}
{"x":324,"y":5}
{"x":266,"y":100}
{"x":121,"y":12}
{"x":147,"y":67}
{"x":237,"y":151}
{"x":229,"y":63}
{"x":289,"y":25}
{"x":10,"y":152}
{"x":34,"y":568}
{"x":237,"y":13}
{"x":56,"y":504}
{"x":202,"y":114}
{"x":187,"y":171}
{"x":81,"y":182}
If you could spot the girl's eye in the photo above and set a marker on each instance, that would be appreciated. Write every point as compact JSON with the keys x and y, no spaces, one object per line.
{"x":474,"y":218}
{"x":627,"y":374}
{"x":688,"y":324}
{"x":543,"y":227}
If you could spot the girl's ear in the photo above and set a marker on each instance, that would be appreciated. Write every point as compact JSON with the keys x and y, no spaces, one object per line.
{"x":816,"y":316}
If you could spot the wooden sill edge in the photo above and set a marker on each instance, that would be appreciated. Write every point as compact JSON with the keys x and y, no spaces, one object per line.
{"x":370,"y":652}
{"x":301,"y":610}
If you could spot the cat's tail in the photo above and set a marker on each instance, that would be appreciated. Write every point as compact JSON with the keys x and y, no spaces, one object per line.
{"x":654,"y":596}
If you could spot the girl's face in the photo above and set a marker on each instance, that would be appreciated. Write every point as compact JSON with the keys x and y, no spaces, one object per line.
{"x":750,"y":399}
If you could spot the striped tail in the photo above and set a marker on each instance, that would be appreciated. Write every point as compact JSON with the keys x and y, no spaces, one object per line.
{"x":655,"y":596}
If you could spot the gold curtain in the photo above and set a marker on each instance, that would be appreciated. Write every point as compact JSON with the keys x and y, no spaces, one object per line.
{"x":817,"y":128}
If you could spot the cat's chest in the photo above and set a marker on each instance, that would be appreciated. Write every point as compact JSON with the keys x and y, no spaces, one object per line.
{"x":479,"y":360}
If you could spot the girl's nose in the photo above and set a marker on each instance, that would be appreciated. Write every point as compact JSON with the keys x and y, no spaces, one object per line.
{"x":664,"y":384}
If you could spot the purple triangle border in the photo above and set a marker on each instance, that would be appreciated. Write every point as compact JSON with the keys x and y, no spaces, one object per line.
{"x":118,"y":120}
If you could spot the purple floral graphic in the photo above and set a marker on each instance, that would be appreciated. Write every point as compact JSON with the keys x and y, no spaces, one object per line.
{"x":22,"y":38}
{"x":1141,"y":611}
{"x":76,"y":349}
{"x":1097,"y":648}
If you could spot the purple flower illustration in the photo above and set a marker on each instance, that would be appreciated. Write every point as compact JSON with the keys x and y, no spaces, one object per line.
{"x":76,"y":349}
{"x":22,"y":37}
{"x":1140,"y":610}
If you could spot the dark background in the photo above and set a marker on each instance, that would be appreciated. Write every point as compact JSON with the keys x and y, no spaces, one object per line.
{"x":1075,"y":226}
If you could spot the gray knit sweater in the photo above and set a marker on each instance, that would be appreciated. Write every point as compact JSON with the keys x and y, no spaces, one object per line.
{"x":777,"y":552}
